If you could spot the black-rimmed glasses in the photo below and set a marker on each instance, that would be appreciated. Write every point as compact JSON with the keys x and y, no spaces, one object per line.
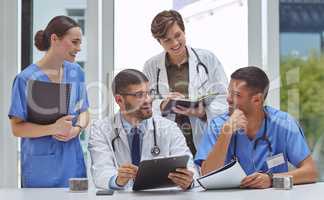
{"x":141,"y":95}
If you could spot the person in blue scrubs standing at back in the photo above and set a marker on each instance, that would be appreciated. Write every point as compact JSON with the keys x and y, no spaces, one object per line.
{"x":262,"y":139}
{"x":51,"y":154}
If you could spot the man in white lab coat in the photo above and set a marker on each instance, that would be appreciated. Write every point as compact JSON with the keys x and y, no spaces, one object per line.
{"x":184,"y":72}
{"x":117,"y":144}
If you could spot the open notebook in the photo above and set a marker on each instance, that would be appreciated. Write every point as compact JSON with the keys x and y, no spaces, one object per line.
{"x":229,"y":176}
{"x":189,"y":103}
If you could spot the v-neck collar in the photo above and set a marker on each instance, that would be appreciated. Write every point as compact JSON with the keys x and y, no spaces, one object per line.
{"x":40,"y":70}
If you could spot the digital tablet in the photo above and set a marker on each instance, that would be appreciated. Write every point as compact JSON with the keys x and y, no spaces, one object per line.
{"x":154,"y":173}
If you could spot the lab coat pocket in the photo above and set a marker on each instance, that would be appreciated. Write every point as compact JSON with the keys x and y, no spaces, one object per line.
{"x":41,"y":171}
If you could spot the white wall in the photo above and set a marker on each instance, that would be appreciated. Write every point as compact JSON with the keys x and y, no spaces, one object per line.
{"x":270,"y":49}
{"x":134,"y":43}
{"x":263,"y":43}
{"x":221,"y":27}
{"x":224,"y":32}
{"x":9,"y":67}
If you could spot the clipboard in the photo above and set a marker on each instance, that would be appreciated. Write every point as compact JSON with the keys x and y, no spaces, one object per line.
{"x":47,"y":101}
{"x":154,"y":173}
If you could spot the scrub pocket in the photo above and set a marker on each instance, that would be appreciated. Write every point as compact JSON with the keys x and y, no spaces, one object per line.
{"x":81,"y":170}
{"x":40,"y":171}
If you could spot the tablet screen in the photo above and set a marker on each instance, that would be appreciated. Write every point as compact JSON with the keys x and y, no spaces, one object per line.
{"x":154,"y":173}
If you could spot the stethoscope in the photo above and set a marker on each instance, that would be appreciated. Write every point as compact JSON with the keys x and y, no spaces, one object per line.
{"x":264,"y":137}
{"x":155,"y":151}
{"x":197,"y":69}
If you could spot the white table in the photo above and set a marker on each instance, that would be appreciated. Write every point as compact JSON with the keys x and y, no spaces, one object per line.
{"x":301,"y":192}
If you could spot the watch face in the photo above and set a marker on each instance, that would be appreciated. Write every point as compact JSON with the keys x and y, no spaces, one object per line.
{"x":77,"y":125}
{"x":227,"y":128}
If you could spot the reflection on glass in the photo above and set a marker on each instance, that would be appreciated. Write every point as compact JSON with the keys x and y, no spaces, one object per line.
{"x":302,"y":70}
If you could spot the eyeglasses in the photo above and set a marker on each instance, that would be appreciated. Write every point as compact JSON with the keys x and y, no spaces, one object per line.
{"x":141,"y":95}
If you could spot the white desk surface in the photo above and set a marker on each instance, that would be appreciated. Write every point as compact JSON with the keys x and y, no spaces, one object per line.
{"x":300,"y":192}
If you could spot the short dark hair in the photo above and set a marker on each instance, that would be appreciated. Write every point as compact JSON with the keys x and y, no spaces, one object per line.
{"x":163,"y":21}
{"x":255,"y":78}
{"x":59,"y":25}
{"x":125,"y":78}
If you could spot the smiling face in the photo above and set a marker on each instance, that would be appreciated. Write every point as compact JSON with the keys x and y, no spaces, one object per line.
{"x":240,"y":96}
{"x":135,"y":105}
{"x":69,"y":45}
{"x":174,"y":42}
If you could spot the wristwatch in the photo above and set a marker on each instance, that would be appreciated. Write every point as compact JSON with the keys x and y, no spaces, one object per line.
{"x":227,"y":128}
{"x":78,"y":125}
{"x":271,"y":177}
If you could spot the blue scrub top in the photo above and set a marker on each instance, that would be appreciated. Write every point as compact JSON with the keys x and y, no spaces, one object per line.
{"x":285,"y":136}
{"x":47,"y":162}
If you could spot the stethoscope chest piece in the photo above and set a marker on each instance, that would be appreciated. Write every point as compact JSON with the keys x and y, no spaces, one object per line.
{"x":155,"y":151}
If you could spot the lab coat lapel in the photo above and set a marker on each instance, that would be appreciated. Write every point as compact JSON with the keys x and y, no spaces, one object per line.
{"x":192,"y":90}
{"x":163,"y":78}
{"x":123,"y":142}
{"x":148,"y":140}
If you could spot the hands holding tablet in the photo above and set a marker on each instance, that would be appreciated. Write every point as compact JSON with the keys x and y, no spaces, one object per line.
{"x":182,"y":178}
{"x":125,"y":173}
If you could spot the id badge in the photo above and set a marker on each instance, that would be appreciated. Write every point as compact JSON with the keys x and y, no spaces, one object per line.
{"x":276,"y":160}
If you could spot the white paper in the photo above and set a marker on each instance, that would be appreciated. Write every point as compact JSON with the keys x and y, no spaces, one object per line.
{"x":228,"y":178}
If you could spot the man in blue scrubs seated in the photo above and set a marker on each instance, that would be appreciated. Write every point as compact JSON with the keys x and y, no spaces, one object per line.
{"x":118,"y":143}
{"x":266,"y":138}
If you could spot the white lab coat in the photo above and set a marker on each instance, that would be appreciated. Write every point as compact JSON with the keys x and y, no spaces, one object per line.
{"x":105,"y":161}
{"x":216,"y":83}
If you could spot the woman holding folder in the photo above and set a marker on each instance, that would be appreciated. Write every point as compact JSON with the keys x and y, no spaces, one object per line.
{"x":51,"y":152}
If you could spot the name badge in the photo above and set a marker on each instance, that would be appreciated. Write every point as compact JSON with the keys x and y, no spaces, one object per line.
{"x":275,"y":160}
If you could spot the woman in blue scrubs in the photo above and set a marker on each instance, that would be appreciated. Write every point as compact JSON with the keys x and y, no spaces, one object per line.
{"x":51,"y":154}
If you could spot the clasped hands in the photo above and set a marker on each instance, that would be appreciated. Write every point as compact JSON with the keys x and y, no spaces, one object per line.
{"x":63,"y":129}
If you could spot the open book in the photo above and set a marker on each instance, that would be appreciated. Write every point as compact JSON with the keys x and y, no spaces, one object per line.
{"x":229,"y":176}
{"x":189,"y":103}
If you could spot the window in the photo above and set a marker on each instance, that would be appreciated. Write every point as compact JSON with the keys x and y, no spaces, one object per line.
{"x":78,"y":16}
{"x":302,"y":69}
